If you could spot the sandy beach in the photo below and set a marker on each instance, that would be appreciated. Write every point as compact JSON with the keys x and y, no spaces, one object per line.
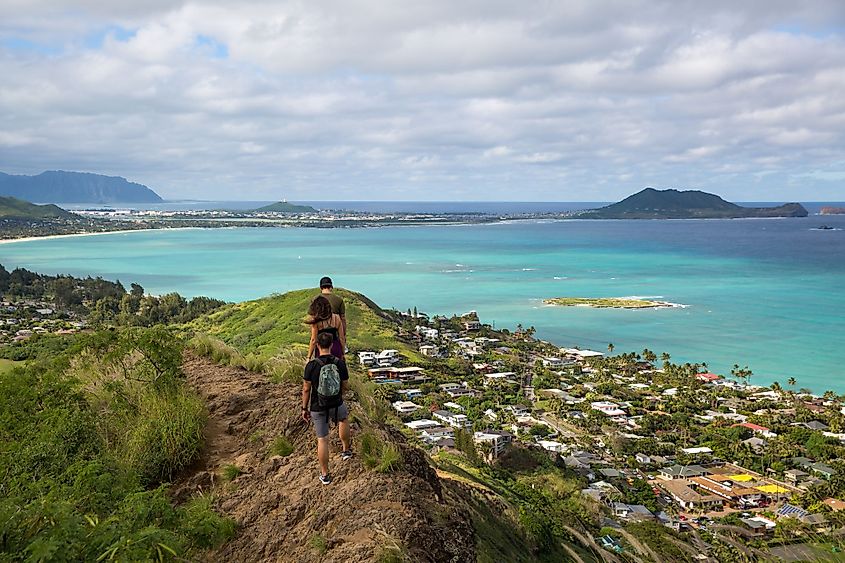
{"x":47,"y":237}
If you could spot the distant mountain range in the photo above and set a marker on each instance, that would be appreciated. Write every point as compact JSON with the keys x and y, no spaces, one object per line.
{"x":690,"y":204}
{"x":285,"y":207}
{"x":58,"y":186}
{"x":12,"y":208}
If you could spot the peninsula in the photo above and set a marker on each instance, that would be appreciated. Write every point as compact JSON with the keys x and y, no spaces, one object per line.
{"x":690,"y":204}
{"x":59,"y":186}
{"x":609,"y":302}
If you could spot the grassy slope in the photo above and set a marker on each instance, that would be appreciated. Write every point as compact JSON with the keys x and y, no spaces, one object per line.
{"x":266,"y":326}
{"x":12,"y":207}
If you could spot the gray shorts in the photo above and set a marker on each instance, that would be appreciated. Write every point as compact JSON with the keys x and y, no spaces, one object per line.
{"x":321,"y":425}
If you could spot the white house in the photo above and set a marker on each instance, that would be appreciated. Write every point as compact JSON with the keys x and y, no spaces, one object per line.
{"x":472,"y":325}
{"x":412,"y":393}
{"x":367,"y":358}
{"x":429,"y":350}
{"x":449,"y":386}
{"x":494,"y":378}
{"x":499,"y":440}
{"x":453,"y":406}
{"x":422,"y":424}
{"x":387,"y":357}
{"x":607,"y":408}
{"x":405,"y":407}
{"x":551,"y":446}
{"x":452,"y":419}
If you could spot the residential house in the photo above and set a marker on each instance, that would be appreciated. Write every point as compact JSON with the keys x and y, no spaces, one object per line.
{"x":452,"y":419}
{"x":757,"y":429}
{"x":758,"y":526}
{"x":497,"y":439}
{"x":633,"y":512}
{"x":406,"y":407}
{"x":642,"y":459}
{"x":551,"y":446}
{"x":498,"y":378}
{"x":755,"y":444}
{"x":422,"y":424}
{"x":429,"y":350}
{"x":707,"y":377}
{"x":795,"y":475}
{"x":437,"y":433}
{"x":453,"y":406}
{"x":681,"y":472}
{"x":690,"y":499}
{"x":472,"y":325}
{"x":607,"y":408}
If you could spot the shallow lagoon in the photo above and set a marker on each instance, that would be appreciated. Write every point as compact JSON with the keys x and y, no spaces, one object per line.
{"x":766,"y":293}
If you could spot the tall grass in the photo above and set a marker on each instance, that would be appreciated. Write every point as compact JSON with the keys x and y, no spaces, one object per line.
{"x":164,"y":435}
{"x":80,"y":442}
{"x":287,"y":366}
{"x":378,"y":455}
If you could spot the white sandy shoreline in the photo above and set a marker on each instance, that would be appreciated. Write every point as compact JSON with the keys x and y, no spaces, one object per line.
{"x":46,"y":237}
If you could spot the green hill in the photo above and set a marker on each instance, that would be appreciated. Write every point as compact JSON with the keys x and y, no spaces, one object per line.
{"x":19,"y":209}
{"x":691,"y":204}
{"x":285,"y":207}
{"x":266,"y":326}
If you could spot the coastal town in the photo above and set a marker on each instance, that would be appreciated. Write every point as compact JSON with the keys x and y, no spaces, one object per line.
{"x":711,"y":457}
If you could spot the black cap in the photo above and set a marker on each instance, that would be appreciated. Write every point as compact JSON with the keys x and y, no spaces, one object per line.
{"x":326,"y":281}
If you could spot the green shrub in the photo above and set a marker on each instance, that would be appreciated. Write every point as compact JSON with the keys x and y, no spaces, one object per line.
{"x":390,"y":459}
{"x":203,"y":525}
{"x":230,"y":472}
{"x":391,"y":554}
{"x":281,"y":446}
{"x":253,"y":363}
{"x":378,"y":455}
{"x":165,"y":435}
{"x":319,"y":544}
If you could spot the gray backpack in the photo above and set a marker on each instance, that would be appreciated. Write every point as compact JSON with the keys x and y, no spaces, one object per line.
{"x":328,"y":386}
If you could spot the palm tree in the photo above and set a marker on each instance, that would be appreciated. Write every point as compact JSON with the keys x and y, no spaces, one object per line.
{"x":791,"y":382}
{"x":610,"y":348}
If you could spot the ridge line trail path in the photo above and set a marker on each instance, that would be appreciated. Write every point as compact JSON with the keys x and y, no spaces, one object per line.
{"x":278,"y":503}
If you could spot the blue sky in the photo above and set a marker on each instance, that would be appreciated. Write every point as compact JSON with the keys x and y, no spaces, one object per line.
{"x":474,"y":100}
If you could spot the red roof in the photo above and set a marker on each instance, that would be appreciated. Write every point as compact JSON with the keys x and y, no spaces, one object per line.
{"x":708,"y":376}
{"x":752,"y":426}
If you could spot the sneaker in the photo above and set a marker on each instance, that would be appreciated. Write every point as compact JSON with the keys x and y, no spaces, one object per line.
{"x":326,"y":479}
{"x":346,"y":455}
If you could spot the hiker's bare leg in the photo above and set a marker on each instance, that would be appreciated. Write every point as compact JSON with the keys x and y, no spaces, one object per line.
{"x":343,"y":430}
{"x":323,"y":454}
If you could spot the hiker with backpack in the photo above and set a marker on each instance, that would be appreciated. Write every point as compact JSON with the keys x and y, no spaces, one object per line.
{"x":336,"y":301}
{"x":324,"y":321}
{"x":324,"y":383}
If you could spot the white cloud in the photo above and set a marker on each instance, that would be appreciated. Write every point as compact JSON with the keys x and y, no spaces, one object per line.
{"x":377,"y":100}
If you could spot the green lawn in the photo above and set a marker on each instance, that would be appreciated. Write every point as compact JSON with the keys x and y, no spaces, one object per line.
{"x":8,"y":365}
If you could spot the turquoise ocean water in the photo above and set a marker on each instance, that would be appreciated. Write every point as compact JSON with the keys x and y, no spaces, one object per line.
{"x":766,"y":293}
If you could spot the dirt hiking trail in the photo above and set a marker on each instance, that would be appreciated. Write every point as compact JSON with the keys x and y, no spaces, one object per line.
{"x":282,"y":511}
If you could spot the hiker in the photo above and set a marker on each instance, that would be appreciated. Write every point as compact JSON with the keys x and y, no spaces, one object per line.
{"x":324,"y":383}
{"x":338,"y":306}
{"x":324,"y":321}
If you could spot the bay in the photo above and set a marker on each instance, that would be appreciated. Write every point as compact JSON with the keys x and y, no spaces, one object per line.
{"x":767,"y":293}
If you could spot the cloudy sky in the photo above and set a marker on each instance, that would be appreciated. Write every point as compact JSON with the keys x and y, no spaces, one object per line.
{"x":436,"y":100}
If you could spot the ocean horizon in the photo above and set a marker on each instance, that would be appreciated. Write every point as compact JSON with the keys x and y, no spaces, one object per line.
{"x":495,"y":207}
